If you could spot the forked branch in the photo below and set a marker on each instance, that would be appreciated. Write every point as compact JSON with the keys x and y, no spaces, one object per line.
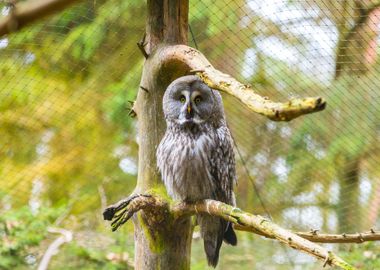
{"x":196,"y":62}
{"x":124,"y":210}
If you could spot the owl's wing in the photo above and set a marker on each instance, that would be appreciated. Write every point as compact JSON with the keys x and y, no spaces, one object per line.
{"x":223,"y":166}
{"x":224,"y":177}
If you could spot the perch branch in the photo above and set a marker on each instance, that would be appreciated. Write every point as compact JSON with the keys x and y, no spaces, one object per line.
{"x":123,"y":210}
{"x":237,"y":216}
{"x":197,"y":63}
{"x":23,"y":14}
{"x":66,"y":236}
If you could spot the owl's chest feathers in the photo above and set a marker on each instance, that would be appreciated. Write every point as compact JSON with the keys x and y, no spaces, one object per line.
{"x":184,"y":162}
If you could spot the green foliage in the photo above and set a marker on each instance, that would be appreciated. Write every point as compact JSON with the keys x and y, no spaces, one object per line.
{"x":70,"y":74}
{"x":350,"y":129}
{"x":20,"y":232}
{"x":364,"y":256}
{"x":74,"y":256}
{"x":25,"y":238}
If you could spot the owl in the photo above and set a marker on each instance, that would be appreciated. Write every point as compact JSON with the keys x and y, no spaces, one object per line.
{"x":196,"y":157}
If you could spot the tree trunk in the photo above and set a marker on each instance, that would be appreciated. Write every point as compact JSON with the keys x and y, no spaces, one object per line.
{"x":361,"y":52}
{"x":159,"y":242}
{"x":374,"y":203}
{"x":356,"y":52}
{"x":348,"y":208}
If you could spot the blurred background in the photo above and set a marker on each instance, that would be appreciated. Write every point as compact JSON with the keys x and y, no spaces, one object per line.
{"x":68,"y":147}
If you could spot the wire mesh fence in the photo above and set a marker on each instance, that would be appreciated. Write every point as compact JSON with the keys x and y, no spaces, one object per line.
{"x":68,"y":146}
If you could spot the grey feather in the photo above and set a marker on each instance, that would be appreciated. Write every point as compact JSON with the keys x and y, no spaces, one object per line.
{"x":195,"y":156}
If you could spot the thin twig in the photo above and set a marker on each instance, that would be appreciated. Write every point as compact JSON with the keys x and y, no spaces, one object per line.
{"x":141,"y":45}
{"x":102,"y":196}
{"x":144,"y":89}
{"x":315,"y":237}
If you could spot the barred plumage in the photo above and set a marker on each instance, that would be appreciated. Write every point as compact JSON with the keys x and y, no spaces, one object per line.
{"x":195,"y":156}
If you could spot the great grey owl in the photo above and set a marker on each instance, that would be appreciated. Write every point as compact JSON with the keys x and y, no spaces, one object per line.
{"x":195,"y":156}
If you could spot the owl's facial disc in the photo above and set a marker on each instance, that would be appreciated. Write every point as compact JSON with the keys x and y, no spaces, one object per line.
{"x":190,"y":113}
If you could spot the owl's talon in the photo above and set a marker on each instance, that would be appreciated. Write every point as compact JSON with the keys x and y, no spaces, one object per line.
{"x":112,"y":212}
{"x":109,"y":213}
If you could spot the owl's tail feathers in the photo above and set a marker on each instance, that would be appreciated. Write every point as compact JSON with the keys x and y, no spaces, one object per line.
{"x":212,"y":230}
{"x":230,"y":235}
{"x":212,"y":247}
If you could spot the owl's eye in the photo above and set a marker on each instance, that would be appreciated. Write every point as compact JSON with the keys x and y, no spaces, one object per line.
{"x":197,"y":100}
{"x":182,"y":99}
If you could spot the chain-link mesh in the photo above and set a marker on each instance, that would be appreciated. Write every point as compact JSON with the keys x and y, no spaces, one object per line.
{"x":68,"y":146}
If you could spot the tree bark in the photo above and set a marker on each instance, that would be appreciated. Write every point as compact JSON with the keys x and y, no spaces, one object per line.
{"x":160,"y":242}
{"x":356,"y":51}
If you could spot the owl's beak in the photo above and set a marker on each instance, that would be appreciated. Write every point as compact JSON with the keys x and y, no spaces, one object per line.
{"x":189,"y":111}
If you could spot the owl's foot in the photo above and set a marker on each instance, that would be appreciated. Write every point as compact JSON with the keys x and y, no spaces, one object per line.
{"x":110,"y":211}
{"x":123,"y":210}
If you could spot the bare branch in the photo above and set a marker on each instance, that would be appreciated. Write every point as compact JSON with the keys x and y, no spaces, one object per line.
{"x":316,"y":237}
{"x":26,"y":13}
{"x":197,"y":63}
{"x":66,"y":236}
{"x":124,"y":210}
{"x":261,"y":224}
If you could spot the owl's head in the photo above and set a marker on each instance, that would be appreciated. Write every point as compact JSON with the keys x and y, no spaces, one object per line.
{"x":189,"y":101}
